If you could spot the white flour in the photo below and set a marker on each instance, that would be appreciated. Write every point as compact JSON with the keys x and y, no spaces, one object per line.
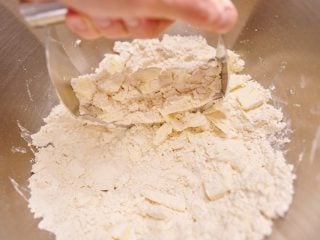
{"x":200,"y":171}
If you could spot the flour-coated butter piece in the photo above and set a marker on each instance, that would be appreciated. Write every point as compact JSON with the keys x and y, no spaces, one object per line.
{"x":251,"y":98}
{"x":176,"y":203}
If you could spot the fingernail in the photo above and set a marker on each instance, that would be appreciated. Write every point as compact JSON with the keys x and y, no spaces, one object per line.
{"x":132,"y":22}
{"x":103,"y":23}
{"x":78,"y":24}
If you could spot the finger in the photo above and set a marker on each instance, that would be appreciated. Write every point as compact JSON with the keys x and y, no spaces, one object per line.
{"x":230,"y":18}
{"x":214,"y":15}
{"x":82,"y":25}
{"x":111,"y":28}
{"x":146,"y":28}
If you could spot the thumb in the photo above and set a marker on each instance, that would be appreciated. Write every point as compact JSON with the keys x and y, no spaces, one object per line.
{"x":213,"y":15}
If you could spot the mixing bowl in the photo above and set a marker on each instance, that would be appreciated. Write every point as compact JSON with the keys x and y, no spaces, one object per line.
{"x":279,"y":41}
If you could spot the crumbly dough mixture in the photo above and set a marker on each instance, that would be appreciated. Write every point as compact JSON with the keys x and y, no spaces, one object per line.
{"x":198,"y":170}
{"x":150,"y":81}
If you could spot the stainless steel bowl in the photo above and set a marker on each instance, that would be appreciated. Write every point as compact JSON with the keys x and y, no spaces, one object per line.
{"x":279,"y":41}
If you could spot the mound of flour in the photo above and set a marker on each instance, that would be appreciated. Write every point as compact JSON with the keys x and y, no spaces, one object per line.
{"x":196,"y":170}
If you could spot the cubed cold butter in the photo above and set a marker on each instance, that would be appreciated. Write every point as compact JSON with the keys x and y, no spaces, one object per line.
{"x":176,"y":203}
{"x":251,"y":98}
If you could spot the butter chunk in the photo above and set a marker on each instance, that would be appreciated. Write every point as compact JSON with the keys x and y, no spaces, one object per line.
{"x":220,"y":121}
{"x":109,"y":83}
{"x":156,"y":212}
{"x":162,"y":134}
{"x":176,"y":203}
{"x":182,"y":121}
{"x":251,"y":98}
{"x":237,"y":81}
{"x":235,"y":63}
{"x":123,"y":232}
{"x":141,"y":117}
{"x":218,"y":184}
{"x":112,"y":63}
{"x":176,"y":121}
{"x":225,"y":126}
{"x":148,"y":79}
{"x":195,"y":120}
{"x":109,"y":117}
{"x":182,"y":104}
{"x":84,"y":87}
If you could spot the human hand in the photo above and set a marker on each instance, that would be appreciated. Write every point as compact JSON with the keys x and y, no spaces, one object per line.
{"x":145,"y":18}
